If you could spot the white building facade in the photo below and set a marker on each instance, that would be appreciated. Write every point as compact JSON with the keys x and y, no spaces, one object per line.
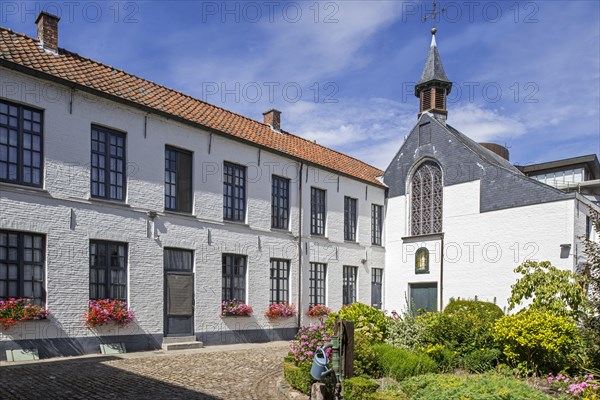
{"x":100,"y":199}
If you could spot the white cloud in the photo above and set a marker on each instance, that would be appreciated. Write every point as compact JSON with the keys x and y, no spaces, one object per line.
{"x":483,"y":125}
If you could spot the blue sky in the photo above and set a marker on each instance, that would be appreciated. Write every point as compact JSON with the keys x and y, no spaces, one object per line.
{"x":526,"y":74}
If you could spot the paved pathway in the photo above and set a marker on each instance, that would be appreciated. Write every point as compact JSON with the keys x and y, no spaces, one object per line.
{"x":223,"y":372}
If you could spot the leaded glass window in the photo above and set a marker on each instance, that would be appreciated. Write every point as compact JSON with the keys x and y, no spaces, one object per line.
{"x":234,"y":277}
{"x":426,"y":206}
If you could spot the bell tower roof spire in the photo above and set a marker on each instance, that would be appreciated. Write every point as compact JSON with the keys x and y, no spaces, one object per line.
{"x":433,"y":70}
{"x":434,"y":86}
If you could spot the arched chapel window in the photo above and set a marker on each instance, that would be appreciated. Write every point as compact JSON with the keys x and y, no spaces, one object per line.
{"x":426,"y":199}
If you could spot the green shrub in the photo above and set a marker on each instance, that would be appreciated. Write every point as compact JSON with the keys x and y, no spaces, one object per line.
{"x":463,"y":327}
{"x":481,"y":360}
{"x":365,"y":358}
{"x":537,"y":340}
{"x":400,"y":363}
{"x":487,"y":312}
{"x":363,"y":316}
{"x":298,"y":376}
{"x":404,"y":332}
{"x":391,"y":395}
{"x":358,"y":388}
{"x":446,"y":359}
{"x":474,"y":387}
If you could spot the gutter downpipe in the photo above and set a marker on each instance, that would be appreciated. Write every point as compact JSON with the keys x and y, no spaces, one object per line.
{"x":300,"y":244}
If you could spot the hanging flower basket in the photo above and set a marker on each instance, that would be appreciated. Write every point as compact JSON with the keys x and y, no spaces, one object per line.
{"x":318,"y":311}
{"x":283,"y":310}
{"x":102,"y":312}
{"x":13,"y":311}
{"x":235,"y":308}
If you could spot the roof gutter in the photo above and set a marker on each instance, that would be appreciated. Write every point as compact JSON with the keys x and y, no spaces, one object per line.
{"x":150,"y":110}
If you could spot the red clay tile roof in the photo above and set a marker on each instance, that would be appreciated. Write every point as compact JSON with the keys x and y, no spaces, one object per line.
{"x":24,"y":51}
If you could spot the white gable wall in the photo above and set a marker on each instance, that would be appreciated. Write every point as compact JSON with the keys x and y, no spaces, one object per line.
{"x":480,"y":250}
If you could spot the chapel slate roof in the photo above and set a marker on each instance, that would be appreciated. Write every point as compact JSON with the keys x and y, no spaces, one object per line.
{"x":18,"y":51}
{"x":482,"y":152}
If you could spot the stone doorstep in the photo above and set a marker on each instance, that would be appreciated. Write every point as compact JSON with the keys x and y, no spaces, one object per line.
{"x":181,"y":343}
{"x":178,"y":339}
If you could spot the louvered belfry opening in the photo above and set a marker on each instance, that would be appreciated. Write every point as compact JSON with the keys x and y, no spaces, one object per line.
{"x":440,"y":99}
{"x":425,"y":100}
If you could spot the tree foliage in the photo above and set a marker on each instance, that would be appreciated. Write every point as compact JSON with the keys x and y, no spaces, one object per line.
{"x":549,"y":289}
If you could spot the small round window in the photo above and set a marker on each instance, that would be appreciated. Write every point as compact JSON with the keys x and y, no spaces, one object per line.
{"x":422,"y":261}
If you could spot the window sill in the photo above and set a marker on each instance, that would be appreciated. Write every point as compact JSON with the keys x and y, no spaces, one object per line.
{"x":319,"y":237}
{"x":179,"y":214}
{"x":15,"y":188}
{"x":284,"y":231}
{"x":109,"y":202}
{"x":429,"y":236}
{"x":238,"y":223}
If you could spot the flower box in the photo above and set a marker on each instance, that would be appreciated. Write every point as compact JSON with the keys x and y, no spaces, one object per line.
{"x":280,"y":310}
{"x":235,"y":308}
{"x":106,"y":311}
{"x":14,"y":311}
{"x":318,"y":311}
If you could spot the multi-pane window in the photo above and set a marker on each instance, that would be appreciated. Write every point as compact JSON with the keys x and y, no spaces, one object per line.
{"x":318,"y":272}
{"x":280,"y":202}
{"x":317,"y":211}
{"x":234,"y":277}
{"x":280,"y":274}
{"x":178,"y":180}
{"x":234,"y":192}
{"x":349,"y":285}
{"x":376,"y":287}
{"x":376,"y":224}
{"x":108,"y":270}
{"x":426,"y":203}
{"x":350,"y":219}
{"x":22,"y":266}
{"x":20,"y":144}
{"x":108,"y":164}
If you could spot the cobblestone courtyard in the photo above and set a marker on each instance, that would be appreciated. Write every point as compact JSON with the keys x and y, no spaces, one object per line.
{"x":223,"y":372}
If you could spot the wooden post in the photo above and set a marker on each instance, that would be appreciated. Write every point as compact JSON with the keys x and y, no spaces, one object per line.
{"x":348,"y":349}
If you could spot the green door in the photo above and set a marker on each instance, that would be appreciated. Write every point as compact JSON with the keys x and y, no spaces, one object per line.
{"x":423,"y":296}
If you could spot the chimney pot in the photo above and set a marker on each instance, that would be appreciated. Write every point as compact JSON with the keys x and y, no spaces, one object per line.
{"x":47,"y":30}
{"x":273,"y":118}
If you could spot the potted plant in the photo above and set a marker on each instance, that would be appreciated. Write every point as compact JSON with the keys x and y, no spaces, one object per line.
{"x":13,"y":311}
{"x":318,"y":311}
{"x":105,"y":311}
{"x":280,"y":310}
{"x":235,"y":308}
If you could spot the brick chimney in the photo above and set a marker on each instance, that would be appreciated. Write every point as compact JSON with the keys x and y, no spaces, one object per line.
{"x":47,"y":30}
{"x":273,"y":118}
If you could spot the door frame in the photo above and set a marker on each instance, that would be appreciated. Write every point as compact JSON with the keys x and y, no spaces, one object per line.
{"x":191,"y":273}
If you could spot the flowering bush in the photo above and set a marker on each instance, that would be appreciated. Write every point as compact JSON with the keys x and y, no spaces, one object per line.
{"x":235,"y":308}
{"x":102,"y":312}
{"x":584,"y":388}
{"x":283,"y":310}
{"x":318,"y":311}
{"x":307,"y":340}
{"x":12,"y":311}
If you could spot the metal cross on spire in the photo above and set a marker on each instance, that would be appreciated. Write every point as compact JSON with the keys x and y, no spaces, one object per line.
{"x":433,"y":16}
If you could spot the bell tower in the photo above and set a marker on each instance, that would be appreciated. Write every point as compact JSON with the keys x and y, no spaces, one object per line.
{"x":434,"y":86}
